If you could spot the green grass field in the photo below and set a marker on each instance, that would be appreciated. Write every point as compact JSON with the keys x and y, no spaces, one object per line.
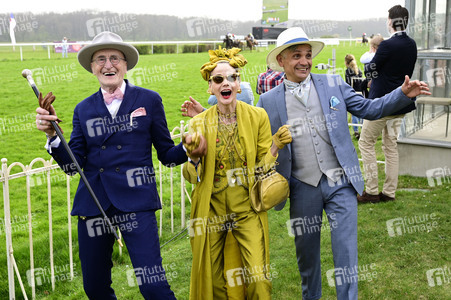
{"x":399,"y":264}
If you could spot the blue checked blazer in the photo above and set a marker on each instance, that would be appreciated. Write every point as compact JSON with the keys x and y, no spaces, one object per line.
{"x":337,"y":98}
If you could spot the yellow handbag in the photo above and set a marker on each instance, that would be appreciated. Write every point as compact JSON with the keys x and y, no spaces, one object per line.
{"x":268,"y":190}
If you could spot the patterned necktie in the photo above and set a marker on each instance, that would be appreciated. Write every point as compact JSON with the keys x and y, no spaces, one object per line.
{"x":299,"y":90}
{"x":110,"y":97}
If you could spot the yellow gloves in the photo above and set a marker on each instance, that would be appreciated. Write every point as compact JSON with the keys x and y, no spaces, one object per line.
{"x":195,"y":145}
{"x":282,"y":136}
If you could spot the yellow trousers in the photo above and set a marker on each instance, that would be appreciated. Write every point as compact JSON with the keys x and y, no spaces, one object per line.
{"x":237,"y":247}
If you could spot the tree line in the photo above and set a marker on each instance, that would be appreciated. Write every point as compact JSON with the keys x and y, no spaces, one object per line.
{"x":83,"y":25}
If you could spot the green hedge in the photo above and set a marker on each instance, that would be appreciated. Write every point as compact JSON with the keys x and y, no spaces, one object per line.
{"x":196,"y":48}
{"x":143,"y":49}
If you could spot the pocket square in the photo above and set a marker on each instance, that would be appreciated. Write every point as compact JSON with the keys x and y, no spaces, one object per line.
{"x":334,"y":102}
{"x":137,"y":113}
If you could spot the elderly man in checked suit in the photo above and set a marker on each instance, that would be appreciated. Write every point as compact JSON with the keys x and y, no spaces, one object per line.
{"x":321,"y":162}
{"x":113,"y":133}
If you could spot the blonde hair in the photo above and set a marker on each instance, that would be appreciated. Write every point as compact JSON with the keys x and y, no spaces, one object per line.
{"x":375,"y":41}
{"x":351,"y":63}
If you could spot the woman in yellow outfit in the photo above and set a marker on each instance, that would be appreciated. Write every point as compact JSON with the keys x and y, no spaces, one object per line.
{"x":229,"y":239}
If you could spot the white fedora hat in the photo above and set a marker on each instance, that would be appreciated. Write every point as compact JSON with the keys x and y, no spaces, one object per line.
{"x":291,"y":36}
{"x":107,"y":40}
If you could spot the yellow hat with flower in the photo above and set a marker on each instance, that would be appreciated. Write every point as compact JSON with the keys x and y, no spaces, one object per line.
{"x":222,"y":54}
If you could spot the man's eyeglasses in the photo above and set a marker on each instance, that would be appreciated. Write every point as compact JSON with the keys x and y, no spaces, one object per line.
{"x":220,"y":78}
{"x":101,"y":60}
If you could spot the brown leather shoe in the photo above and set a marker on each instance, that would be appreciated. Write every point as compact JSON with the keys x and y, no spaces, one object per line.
{"x":367,"y":198}
{"x":383,"y":197}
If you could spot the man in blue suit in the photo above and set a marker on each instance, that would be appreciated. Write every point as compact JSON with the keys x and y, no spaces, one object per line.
{"x":321,"y":163}
{"x":113,"y":133}
{"x":394,"y":59}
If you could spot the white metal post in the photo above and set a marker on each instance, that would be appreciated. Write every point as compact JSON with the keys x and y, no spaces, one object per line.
{"x":7,"y":220}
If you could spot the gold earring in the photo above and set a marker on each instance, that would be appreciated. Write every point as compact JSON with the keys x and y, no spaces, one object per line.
{"x":239,"y":91}
{"x":209,"y":91}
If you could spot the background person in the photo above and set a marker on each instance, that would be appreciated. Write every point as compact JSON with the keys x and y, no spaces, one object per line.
{"x":364,"y":39}
{"x":239,"y":139}
{"x":268,"y":80}
{"x":374,"y":44}
{"x":113,"y":133}
{"x":64,"y":47}
{"x":366,"y":59}
{"x":321,"y":163}
{"x":352,"y":77}
{"x":394,"y":59}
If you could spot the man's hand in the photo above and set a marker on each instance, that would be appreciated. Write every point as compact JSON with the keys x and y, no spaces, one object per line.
{"x":191,"y":108}
{"x":414,"y":88}
{"x":196,"y":146}
{"x":46,"y":114}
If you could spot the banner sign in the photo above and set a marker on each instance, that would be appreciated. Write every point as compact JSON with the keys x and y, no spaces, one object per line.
{"x":274,"y":12}
{"x":71,"y":48}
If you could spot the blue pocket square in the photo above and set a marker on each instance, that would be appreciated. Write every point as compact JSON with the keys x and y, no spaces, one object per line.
{"x":334,"y":102}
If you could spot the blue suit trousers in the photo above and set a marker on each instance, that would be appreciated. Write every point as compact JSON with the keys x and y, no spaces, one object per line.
{"x":140,"y":233}
{"x":338,"y":200}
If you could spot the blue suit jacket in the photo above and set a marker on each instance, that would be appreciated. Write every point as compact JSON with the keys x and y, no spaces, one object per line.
{"x":394,"y":59}
{"x":116,"y":154}
{"x":329,"y":86}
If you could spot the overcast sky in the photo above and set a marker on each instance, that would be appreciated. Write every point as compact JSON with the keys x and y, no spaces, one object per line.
{"x":239,"y":10}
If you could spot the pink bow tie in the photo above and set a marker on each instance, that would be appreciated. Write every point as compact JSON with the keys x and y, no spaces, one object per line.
{"x":110,"y":97}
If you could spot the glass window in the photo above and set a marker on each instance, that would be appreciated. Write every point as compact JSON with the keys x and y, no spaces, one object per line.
{"x":427,"y":23}
{"x":437,"y":33}
{"x":418,"y":23}
{"x":430,"y":27}
{"x":431,"y":120}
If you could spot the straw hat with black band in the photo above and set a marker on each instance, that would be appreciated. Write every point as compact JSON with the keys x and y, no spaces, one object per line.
{"x":107,"y":40}
{"x":287,"y":38}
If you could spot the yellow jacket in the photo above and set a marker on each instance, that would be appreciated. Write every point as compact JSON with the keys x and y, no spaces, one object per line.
{"x":255,"y":134}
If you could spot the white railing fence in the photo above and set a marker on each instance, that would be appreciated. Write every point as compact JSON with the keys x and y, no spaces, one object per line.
{"x":178,"y":44}
{"x":49,"y":166}
{"x":47,"y":174}
{"x":176,"y":134}
{"x":27,"y":172}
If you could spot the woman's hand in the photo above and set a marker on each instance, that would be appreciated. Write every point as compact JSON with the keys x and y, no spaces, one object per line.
{"x":280,"y":139}
{"x":191,"y":108}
